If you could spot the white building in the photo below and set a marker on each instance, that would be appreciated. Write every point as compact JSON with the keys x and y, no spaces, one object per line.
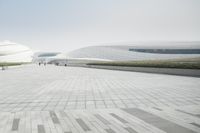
{"x":14,"y":52}
{"x":139,"y":51}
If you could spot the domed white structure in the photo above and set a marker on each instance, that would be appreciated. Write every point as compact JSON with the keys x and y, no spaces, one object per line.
{"x":141,"y":51}
{"x":14,"y":52}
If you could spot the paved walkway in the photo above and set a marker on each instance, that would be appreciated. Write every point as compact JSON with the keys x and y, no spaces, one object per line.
{"x":54,"y":99}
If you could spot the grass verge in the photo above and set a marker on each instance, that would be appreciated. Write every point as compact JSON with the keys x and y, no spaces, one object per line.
{"x":189,"y":63}
{"x":3,"y":64}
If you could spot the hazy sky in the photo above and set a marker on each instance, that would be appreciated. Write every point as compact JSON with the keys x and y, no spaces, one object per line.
{"x":63,"y":25}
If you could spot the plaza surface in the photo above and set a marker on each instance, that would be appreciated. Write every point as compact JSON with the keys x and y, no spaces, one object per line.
{"x":53,"y":99}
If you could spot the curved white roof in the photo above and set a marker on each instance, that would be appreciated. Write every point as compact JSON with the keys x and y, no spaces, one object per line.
{"x":7,"y":48}
{"x":122,"y":53}
{"x":14,"y":52}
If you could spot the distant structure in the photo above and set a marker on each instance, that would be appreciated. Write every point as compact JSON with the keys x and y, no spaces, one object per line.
{"x":47,"y":57}
{"x":130,"y":52}
{"x":141,"y":51}
{"x":167,"y":51}
{"x":14,"y":52}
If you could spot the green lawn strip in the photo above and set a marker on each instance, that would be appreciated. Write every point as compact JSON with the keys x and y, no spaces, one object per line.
{"x":184,"y":63}
{"x":5,"y":64}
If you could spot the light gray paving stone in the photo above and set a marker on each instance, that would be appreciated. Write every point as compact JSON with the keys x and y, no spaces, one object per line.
{"x":22,"y":124}
{"x":54,"y":117}
{"x":62,"y":117}
{"x":74,"y":125}
{"x":27,"y":122}
{"x":3,"y":120}
{"x":175,"y":118}
{"x":118,"y":128}
{"x":84,"y":92}
{"x":98,"y":127}
{"x":49,"y":121}
{"x":97,"y":121}
{"x":118,"y":118}
{"x":130,"y":130}
{"x":158,"y":122}
{"x":83,"y":124}
{"x":15,"y":124}
{"x":58,"y":125}
{"x":110,"y":131}
{"x":34,"y":122}
{"x":195,"y":124}
{"x":198,"y":115}
{"x":137,"y":124}
{"x":86,"y":117}
{"x":116,"y":125}
{"x":106,"y":122}
{"x":41,"y":129}
{"x":8,"y":125}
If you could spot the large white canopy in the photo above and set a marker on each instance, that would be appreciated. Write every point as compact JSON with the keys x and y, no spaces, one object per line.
{"x":14,"y":52}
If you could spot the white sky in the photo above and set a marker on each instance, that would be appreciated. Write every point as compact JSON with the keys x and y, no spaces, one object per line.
{"x":64,"y":25}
